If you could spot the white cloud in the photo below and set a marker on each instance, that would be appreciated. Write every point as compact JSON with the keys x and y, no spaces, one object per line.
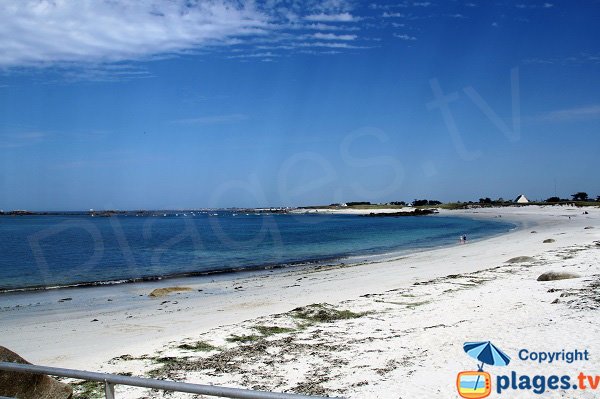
{"x":319,"y":26}
{"x":105,"y":73}
{"x":422,"y":4}
{"x":571,"y":114}
{"x":267,"y":54}
{"x":329,"y":44}
{"x":331,"y":36}
{"x":405,"y":37}
{"x":41,"y":32}
{"x":374,"y":6}
{"x":533,"y":6}
{"x":392,"y":15}
{"x":539,"y":61}
{"x":99,"y":39}
{"x":341,"y":17}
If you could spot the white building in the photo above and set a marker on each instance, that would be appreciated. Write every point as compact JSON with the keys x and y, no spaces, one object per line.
{"x":521,"y":199}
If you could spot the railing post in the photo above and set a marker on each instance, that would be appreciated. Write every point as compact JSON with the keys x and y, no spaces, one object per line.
{"x":109,"y":390}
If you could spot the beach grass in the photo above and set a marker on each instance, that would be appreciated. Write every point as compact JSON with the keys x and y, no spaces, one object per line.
{"x":199,"y":346}
{"x":88,"y":390}
{"x":244,"y":338}
{"x":323,"y":313}
{"x":272,"y":330}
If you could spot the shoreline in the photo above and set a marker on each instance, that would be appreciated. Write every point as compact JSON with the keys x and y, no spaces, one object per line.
{"x":349,"y":259}
{"x":66,"y":335}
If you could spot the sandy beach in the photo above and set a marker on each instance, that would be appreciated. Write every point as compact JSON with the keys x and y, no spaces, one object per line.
{"x":389,"y":329}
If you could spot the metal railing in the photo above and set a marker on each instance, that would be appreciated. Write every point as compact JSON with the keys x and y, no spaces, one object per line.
{"x":110,"y":380}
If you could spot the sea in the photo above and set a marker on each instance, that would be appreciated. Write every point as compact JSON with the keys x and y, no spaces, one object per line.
{"x":52,"y":251}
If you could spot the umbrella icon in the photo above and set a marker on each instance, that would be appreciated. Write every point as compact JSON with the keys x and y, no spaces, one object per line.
{"x":486,"y":353}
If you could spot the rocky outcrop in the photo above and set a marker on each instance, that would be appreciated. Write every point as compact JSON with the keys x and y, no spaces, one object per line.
{"x":29,"y":386}
{"x":551,"y":276}
{"x":416,"y":212}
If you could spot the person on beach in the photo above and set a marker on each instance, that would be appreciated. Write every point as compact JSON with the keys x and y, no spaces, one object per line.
{"x":460,"y":239}
{"x":464,"y":238}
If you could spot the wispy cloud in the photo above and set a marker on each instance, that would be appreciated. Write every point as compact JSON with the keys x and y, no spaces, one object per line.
{"x":41,"y":32}
{"x":405,"y":37}
{"x":570,"y":114}
{"x":326,"y":27}
{"x":104,"y":40}
{"x":213,"y":119}
{"x":266,"y":55}
{"x":341,"y":17}
{"x":392,"y":15}
{"x":23,"y":139}
{"x":574,"y":60}
{"x":105,"y":73}
{"x":534,"y":6}
{"x":332,"y":36}
{"x":337,"y":45}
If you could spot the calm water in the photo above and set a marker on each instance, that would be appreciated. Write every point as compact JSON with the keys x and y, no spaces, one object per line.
{"x":50,"y":251}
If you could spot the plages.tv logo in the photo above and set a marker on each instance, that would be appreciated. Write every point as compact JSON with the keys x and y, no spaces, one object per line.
{"x":478,"y":384}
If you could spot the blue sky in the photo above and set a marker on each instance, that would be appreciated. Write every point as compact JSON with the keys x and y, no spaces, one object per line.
{"x":184,"y":104}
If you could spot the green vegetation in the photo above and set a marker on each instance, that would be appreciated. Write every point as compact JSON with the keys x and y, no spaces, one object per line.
{"x":88,"y":390}
{"x":199,"y":346}
{"x":323,"y":313}
{"x":244,"y":338}
{"x":579,"y":199}
{"x":167,"y":363}
{"x":424,"y":202}
{"x":272,"y":330}
{"x":580,"y":196}
{"x":454,"y":205}
{"x":375,"y":206}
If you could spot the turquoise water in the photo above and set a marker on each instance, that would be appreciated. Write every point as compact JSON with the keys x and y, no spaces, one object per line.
{"x":52,"y":251}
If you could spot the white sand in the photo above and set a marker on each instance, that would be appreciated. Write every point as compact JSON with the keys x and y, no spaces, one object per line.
{"x":409,"y":345}
{"x":354,"y":211}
